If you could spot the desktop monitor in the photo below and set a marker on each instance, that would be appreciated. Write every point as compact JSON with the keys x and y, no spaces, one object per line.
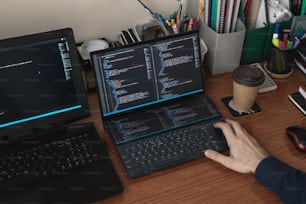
{"x":41,"y":83}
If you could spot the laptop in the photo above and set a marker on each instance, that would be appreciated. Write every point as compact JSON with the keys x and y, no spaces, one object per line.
{"x":154,"y":105}
{"x":43,"y":157}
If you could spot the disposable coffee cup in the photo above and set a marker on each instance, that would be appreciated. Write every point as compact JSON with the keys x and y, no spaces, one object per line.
{"x":246,"y":82}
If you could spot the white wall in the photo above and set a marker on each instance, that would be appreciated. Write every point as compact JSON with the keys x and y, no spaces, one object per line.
{"x":88,"y":18}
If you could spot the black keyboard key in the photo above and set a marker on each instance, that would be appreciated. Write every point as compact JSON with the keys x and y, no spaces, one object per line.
{"x":39,"y":160}
{"x":167,"y":149}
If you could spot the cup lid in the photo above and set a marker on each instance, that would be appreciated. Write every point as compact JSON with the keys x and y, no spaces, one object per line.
{"x":248,"y":75}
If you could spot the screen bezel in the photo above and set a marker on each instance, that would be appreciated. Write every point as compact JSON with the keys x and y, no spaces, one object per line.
{"x":6,"y":133}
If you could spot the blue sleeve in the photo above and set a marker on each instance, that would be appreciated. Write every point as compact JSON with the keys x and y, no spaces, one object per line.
{"x":288,"y":183}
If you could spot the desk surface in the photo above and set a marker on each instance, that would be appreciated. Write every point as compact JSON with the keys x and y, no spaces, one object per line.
{"x":204,"y":181}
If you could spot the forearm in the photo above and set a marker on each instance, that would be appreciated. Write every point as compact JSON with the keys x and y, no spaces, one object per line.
{"x":288,"y":183}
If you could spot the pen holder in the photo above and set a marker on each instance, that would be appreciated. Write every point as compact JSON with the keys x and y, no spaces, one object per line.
{"x":280,"y":63}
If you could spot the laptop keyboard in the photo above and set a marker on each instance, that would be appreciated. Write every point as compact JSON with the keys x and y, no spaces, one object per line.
{"x":167,"y":149}
{"x":53,"y":158}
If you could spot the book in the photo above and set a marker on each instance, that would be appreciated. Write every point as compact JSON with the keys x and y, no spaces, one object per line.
{"x":298,"y":100}
{"x":303,"y":8}
{"x":222,"y":15}
{"x":302,"y":91}
{"x":213,"y":18}
{"x":235,"y":15}
{"x":246,"y":7}
{"x":228,"y":17}
{"x":302,"y":49}
{"x":218,"y":15}
{"x":300,"y":63}
{"x":207,"y":13}
{"x":252,"y":13}
{"x":300,"y":58}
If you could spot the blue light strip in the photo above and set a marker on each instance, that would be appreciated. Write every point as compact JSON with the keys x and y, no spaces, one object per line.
{"x":150,"y":103}
{"x":40,"y":116}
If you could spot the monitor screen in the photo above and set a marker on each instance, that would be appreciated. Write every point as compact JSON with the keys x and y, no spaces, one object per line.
{"x":138,"y":75}
{"x":40,"y":82}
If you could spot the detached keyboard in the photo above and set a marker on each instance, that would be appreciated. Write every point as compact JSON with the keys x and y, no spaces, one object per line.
{"x":54,"y":158}
{"x":170,"y":148}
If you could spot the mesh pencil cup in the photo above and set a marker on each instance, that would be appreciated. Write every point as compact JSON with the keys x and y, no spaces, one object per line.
{"x":280,"y":63}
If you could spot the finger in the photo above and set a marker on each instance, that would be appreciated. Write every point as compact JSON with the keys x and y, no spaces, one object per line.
{"x":227,"y":131}
{"x":218,"y":157}
{"x":237,"y":128}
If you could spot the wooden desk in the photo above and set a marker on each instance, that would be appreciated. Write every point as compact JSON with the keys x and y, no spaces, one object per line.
{"x":204,"y":181}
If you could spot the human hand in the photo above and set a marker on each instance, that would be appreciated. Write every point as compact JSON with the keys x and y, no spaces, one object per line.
{"x":245,"y":152}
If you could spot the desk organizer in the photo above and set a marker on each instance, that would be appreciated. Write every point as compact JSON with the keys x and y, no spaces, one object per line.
{"x":224,"y":49}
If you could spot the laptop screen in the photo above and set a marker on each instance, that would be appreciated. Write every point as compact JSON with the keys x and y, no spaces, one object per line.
{"x":40,"y":82}
{"x":139,"y":75}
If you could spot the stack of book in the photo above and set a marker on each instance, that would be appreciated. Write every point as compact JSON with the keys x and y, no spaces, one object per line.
{"x":299,"y":99}
{"x":300,"y":58}
{"x":221,"y":15}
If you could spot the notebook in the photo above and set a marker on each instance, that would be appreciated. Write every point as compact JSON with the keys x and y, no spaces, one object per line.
{"x":151,"y":88}
{"x":42,"y":91}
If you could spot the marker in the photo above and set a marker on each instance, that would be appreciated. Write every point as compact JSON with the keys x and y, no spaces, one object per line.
{"x":289,"y":44}
{"x":282,"y":45}
{"x":275,"y":42}
{"x":297,"y":38}
{"x":285,"y":39}
{"x":296,"y":43}
{"x":276,"y":30}
{"x":169,"y":27}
